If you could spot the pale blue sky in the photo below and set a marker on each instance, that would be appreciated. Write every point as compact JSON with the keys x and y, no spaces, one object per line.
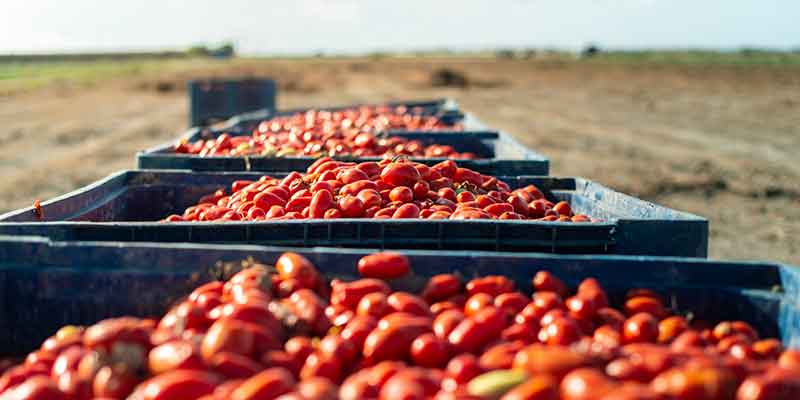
{"x":262,"y":27}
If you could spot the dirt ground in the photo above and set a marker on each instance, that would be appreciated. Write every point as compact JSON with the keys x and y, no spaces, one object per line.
{"x":719,"y":141}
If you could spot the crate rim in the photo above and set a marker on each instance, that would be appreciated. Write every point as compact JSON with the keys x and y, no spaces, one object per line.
{"x":163,"y":149}
{"x":33,"y":239}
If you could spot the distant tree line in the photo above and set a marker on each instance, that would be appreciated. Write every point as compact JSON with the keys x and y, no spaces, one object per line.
{"x":225,"y":50}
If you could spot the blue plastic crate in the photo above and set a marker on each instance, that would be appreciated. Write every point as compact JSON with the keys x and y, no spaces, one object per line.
{"x":631,"y":226}
{"x":46,"y":285}
{"x":499,"y":154}
{"x":221,"y":99}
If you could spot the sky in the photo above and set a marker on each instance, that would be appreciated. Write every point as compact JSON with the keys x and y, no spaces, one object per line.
{"x":307,"y":26}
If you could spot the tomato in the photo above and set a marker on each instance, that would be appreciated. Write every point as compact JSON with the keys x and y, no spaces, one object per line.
{"x":391,"y":343}
{"x":608,"y":335}
{"x":73,"y":385}
{"x":408,"y":210}
{"x":552,"y":360}
{"x":581,"y":307}
{"x":609,"y":316}
{"x":561,"y":331}
{"x":728,"y":328}
{"x":357,"y":329}
{"x":309,"y":308}
{"x":429,"y":350}
{"x":400,"y":386}
{"x":696,"y":383}
{"x":500,"y":356}
{"x":519,"y":205}
{"x":687,"y":340}
{"x":542,"y":303}
{"x":440,"y":287}
{"x":349,"y":294}
{"x":400,"y":174}
{"x":408,"y":303}
{"x":267,"y":384}
{"x":336,"y":347}
{"x":178,"y":354}
{"x":253,"y":312}
{"x":476,"y":331}
{"x":357,"y":387}
{"x":402,"y":194}
{"x":477,"y":302}
{"x":492,"y":285}
{"x":322,"y":365}
{"x":352,"y":175}
{"x":641,"y":327}
{"x":116,"y":382}
{"x":769,"y":386}
{"x":298,"y":203}
{"x":462,"y":368}
{"x":374,"y":304}
{"x":294,"y":266}
{"x":467,"y":175}
{"x":645,"y":304}
{"x":585,"y":384}
{"x":321,"y":202}
{"x":538,"y":387}
{"x":446,"y":321}
{"x":523,"y":332}
{"x":351,"y":206}
{"x":317,"y":388}
{"x":37,"y":388}
{"x":104,"y":334}
{"x":227,"y":335}
{"x":384,"y":265}
{"x":265,"y":200}
{"x":67,"y":360}
{"x":422,"y":190}
{"x":670,"y":328}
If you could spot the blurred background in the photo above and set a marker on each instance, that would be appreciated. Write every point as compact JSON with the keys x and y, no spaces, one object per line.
{"x":695,"y":105}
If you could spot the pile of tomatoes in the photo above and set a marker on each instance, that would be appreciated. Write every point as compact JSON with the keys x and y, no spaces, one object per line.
{"x":288,"y":333}
{"x":385,"y":189}
{"x":354,"y":132}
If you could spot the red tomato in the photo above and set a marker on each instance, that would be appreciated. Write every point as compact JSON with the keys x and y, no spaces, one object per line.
{"x":37,"y":388}
{"x":351,"y":206}
{"x":321,"y":202}
{"x":385,"y":265}
{"x":400,"y":174}
{"x":478,"y":330}
{"x":179,"y":354}
{"x":440,"y":287}
{"x":429,"y":350}
{"x":295,"y":266}
{"x":267,"y":384}
{"x":227,"y":335}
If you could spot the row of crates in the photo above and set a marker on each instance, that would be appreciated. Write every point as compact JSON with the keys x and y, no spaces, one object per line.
{"x":99,"y":251}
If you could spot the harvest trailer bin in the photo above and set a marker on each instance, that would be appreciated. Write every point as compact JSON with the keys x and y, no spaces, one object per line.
{"x":47,"y":284}
{"x":116,"y":208}
{"x":222,"y":99}
{"x":446,"y":109}
{"x":499,"y":154}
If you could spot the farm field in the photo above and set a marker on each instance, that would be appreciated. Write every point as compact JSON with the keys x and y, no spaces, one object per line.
{"x":717,"y":136}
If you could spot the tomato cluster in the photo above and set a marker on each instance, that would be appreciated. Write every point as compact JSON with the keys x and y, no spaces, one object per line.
{"x":334,"y":133}
{"x":385,"y":189}
{"x":287,"y":333}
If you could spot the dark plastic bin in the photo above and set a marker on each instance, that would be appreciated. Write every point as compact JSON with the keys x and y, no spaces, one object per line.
{"x":499,"y":154}
{"x":632,"y":226}
{"x":221,"y":99}
{"x":46,"y":285}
